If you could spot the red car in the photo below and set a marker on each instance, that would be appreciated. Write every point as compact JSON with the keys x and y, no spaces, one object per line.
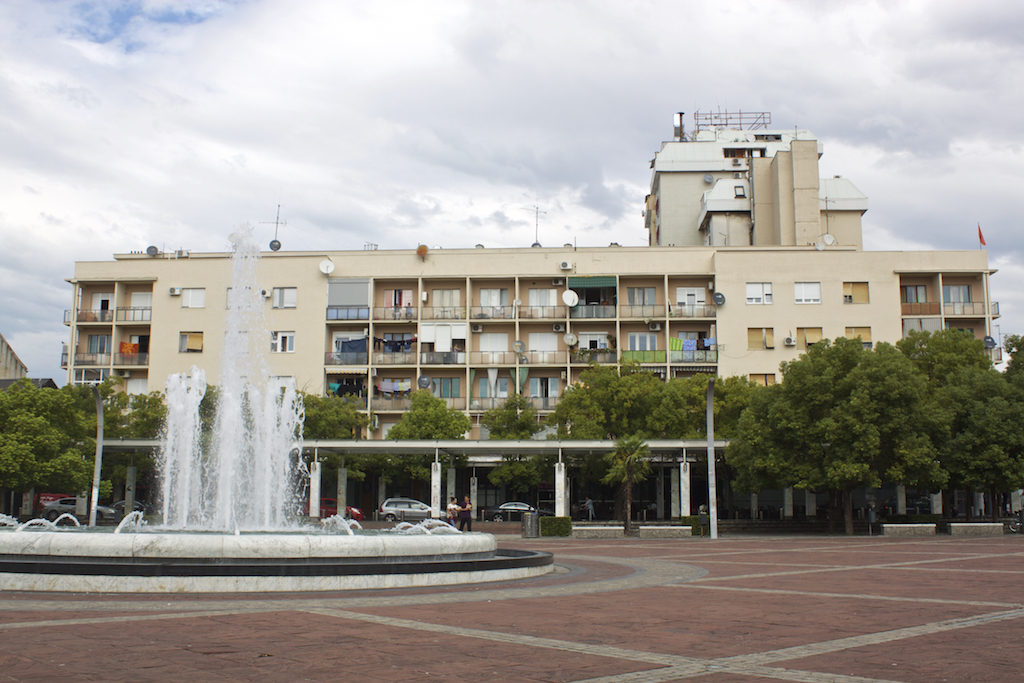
{"x":329,"y":508}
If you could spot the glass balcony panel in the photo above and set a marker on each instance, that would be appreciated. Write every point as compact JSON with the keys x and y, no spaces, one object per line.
{"x":642,"y":311}
{"x":348,"y":312}
{"x":701,"y":356}
{"x":95,"y":316}
{"x":588,"y":311}
{"x":543,"y":402}
{"x":491,"y":312}
{"x":131,"y":359}
{"x":920,"y":308}
{"x":492,"y":358}
{"x":92,"y":359}
{"x":643,"y":356}
{"x":601,"y":356}
{"x":395,"y":313}
{"x":444,"y":312}
{"x":545,"y":357}
{"x":134,"y":315}
{"x":542,"y":312}
{"x":394,"y":358}
{"x":387,"y":403}
{"x":443,"y":357}
{"x":345,"y":357}
{"x":692,"y":311}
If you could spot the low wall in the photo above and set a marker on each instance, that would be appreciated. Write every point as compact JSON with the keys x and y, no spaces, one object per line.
{"x":908,"y":529}
{"x":975,"y":529}
{"x":665,"y":531}
{"x":598,"y":531}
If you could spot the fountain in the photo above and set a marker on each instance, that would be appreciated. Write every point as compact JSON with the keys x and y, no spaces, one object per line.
{"x":229,"y":502}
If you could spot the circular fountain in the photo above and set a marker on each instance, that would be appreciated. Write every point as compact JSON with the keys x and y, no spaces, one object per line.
{"x":228,"y":501}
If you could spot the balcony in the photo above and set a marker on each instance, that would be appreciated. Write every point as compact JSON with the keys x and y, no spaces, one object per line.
{"x":443,"y":357}
{"x":386,"y":403}
{"x":345,"y":358}
{"x":701,"y":357}
{"x":599,"y":356}
{"x":64,"y":359}
{"x":492,"y":358}
{"x":395,"y":313}
{"x":920,"y":308}
{"x":92,"y":359}
{"x":94,"y":316}
{"x":136,"y":359}
{"x":138,"y":314}
{"x":590,"y":311}
{"x":543,"y":402}
{"x":544,"y":357}
{"x":488,"y":403}
{"x":394,"y":358}
{"x":491,"y":313}
{"x":542,"y":312}
{"x":455,"y":403}
{"x":692,"y":311}
{"x":643,"y":356}
{"x":348,"y":312}
{"x":964,"y":308}
{"x":642,"y":311}
{"x":444,"y":313}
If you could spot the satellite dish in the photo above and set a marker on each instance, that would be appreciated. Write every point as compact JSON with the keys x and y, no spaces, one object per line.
{"x":152,"y":250}
{"x":274,"y":245}
{"x":523,"y":360}
{"x":570,"y":339}
{"x":708,"y":178}
{"x":828,"y":239}
{"x":423,"y":382}
{"x":518,"y":346}
{"x":570,"y":298}
{"x":327,"y":266}
{"x":818,"y":245}
{"x":990,"y":343}
{"x":718,"y":298}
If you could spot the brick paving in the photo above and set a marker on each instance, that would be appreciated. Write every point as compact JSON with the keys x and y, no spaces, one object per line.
{"x":734,"y":610}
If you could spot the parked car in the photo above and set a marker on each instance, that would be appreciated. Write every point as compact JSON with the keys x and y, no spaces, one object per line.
{"x":404,"y":509}
{"x":512,"y":511}
{"x":58,"y":507}
{"x":329,"y":508}
{"x":137,"y":506}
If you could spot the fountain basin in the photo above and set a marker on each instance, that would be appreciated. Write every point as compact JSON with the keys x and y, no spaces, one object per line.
{"x":254,"y":562}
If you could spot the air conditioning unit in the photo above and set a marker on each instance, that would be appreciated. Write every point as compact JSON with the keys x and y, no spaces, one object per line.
{"x":123,"y":373}
{"x":565,"y":265}
{"x":735,"y":162}
{"x":789,"y":341}
{"x":476,"y":328}
{"x":175,"y":291}
{"x":654,"y":327}
{"x":558,"y":281}
{"x":265,"y":293}
{"x":558,"y":327}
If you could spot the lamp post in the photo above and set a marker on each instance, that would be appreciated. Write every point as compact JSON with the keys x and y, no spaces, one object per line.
{"x":712,"y":484}
{"x":94,"y":498}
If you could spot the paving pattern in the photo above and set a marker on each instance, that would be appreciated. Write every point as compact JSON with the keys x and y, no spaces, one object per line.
{"x":738,"y":609}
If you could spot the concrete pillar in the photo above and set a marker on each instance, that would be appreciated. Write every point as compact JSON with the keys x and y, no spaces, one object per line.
{"x":684,"y":489}
{"x":810,"y":504}
{"x":979,"y":504}
{"x":131,"y":474}
{"x":561,"y":509}
{"x":472,"y":494}
{"x":342,"y":492}
{"x":787,"y":502}
{"x":1016,"y":500}
{"x":936,"y":501}
{"x":755,"y":513}
{"x":314,"y":489}
{"x":435,"y":490}
{"x":450,"y":486}
{"x":901,"y":499}
{"x":381,"y":491}
{"x":674,"y":484}
{"x":659,"y":496}
{"x":28,"y":499}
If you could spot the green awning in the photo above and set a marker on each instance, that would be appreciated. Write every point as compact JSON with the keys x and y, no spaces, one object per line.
{"x":592,"y":281}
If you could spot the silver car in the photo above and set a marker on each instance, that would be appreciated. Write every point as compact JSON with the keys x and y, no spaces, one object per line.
{"x":58,"y":507}
{"x":403,"y":509}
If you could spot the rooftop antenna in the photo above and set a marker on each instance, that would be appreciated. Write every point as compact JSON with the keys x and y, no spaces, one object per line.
{"x":536,"y":224}
{"x":274,"y":243}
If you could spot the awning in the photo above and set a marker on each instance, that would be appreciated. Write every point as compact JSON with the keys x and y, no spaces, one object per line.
{"x":584,"y":281}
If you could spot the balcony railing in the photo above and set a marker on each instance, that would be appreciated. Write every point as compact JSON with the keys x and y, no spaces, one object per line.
{"x":969,"y":308}
{"x":382,"y":403}
{"x":492,"y":358}
{"x":477,"y":403}
{"x":920,"y":308}
{"x":544,"y":357}
{"x":643,"y":356}
{"x":994,"y":307}
{"x":702,"y":356}
{"x":135,"y":314}
{"x":93,"y":316}
{"x":642,"y":311}
{"x":600,"y":356}
{"x":692,"y":311}
{"x":64,"y":359}
{"x":444,"y":312}
{"x":542,"y":312}
{"x":131,"y":359}
{"x":92,"y":359}
{"x":543,"y":402}
{"x":443,"y":357}
{"x":345,"y":358}
{"x":394,"y":358}
{"x":348,"y":312}
{"x":395,"y":313}
{"x":491,"y":312}
{"x":586,"y":311}
{"x":457,"y":403}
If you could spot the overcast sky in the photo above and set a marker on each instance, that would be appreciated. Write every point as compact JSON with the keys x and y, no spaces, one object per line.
{"x":137,"y":122}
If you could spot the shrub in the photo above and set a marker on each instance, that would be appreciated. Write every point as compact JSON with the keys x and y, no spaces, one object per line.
{"x":555,"y":526}
{"x":692,"y":521}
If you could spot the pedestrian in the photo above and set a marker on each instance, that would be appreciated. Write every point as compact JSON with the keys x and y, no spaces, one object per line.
{"x":452,"y":511}
{"x":466,"y":515}
{"x":702,"y":516}
{"x":588,"y":506}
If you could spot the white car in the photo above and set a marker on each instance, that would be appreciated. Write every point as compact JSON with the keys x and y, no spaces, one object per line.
{"x":403,"y":510}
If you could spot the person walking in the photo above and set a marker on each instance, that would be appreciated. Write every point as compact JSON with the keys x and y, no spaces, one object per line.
{"x":452,"y":511}
{"x":466,"y":515}
{"x":588,"y":507}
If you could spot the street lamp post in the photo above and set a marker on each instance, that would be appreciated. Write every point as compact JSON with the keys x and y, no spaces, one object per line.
{"x":94,"y":498}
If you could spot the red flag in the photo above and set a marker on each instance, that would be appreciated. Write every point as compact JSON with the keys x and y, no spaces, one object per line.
{"x":981,"y":238}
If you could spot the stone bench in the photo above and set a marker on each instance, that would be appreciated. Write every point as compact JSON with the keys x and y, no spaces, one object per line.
{"x":665,"y":531}
{"x":598,"y":532}
{"x":908,"y":529}
{"x":975,"y":528}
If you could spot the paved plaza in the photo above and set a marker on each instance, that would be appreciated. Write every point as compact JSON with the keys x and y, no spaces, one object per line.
{"x":742,"y":609}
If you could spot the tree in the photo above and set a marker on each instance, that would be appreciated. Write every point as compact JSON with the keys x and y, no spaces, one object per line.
{"x":842,"y":418}
{"x":628,"y":465}
{"x":608,"y":403}
{"x":428,"y":417}
{"x":681,"y":412}
{"x":331,"y":417}
{"x":516,"y":419}
{"x":1013,"y":343}
{"x":939,"y":354}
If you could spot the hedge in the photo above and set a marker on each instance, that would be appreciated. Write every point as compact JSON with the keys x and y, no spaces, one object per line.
{"x":555,"y":526}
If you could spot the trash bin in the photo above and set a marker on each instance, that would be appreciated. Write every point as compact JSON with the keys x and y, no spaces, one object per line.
{"x":531,"y":525}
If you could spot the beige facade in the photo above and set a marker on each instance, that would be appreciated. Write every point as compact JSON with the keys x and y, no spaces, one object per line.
{"x":11,"y":366}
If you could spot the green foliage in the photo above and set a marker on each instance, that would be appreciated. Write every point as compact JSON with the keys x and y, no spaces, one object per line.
{"x":332,"y":417}
{"x":516,"y":419}
{"x":607,"y":404}
{"x":692,"y":521}
{"x":428,"y":417}
{"x":628,"y":465}
{"x":939,"y":354}
{"x":1013,"y":343}
{"x":681,"y":412}
{"x":518,"y":473}
{"x":555,"y":526}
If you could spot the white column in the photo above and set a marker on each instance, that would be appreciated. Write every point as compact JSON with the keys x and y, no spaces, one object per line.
{"x":787,"y":502}
{"x":561,"y":509}
{"x":684,"y":489}
{"x":435,"y":490}
{"x":381,"y":491}
{"x":674,"y":485}
{"x":472,"y":494}
{"x":810,"y":504}
{"x":936,"y":501}
{"x":450,"y":486}
{"x":314,"y":489}
{"x":755,"y":513}
{"x":901,"y":499}
{"x":342,"y":490}
{"x":1016,"y":500}
{"x":979,"y":504}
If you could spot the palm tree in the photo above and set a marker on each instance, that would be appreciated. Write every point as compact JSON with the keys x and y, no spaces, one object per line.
{"x":628,"y":465}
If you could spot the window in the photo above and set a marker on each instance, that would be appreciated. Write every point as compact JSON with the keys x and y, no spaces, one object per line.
{"x":863,"y":333}
{"x":543,"y":387}
{"x":284,"y":297}
{"x":913,"y":294}
{"x":542,"y":341}
{"x":691,"y":296}
{"x":642,"y":341}
{"x":497,"y":390}
{"x":494,"y":297}
{"x":98,"y":343}
{"x":807,"y":336}
{"x":759,"y":292}
{"x":445,"y":387}
{"x":542,"y":297}
{"x":493,"y":341}
{"x":400,"y":298}
{"x":807,"y":292}
{"x":190,"y":342}
{"x":855,"y":292}
{"x":193,"y":297}
{"x":593,"y":340}
{"x":739,"y":191}
{"x":956,"y":294}
{"x":921,"y":325}
{"x":760,"y":338}
{"x":640,"y":296}
{"x":282,"y":342}
{"x":763,"y":379}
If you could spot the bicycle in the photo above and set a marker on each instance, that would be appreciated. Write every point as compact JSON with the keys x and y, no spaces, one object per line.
{"x":1017,"y":523}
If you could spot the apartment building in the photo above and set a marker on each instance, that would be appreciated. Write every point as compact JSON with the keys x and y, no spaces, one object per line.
{"x":752,"y":258}
{"x":11,"y":367}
